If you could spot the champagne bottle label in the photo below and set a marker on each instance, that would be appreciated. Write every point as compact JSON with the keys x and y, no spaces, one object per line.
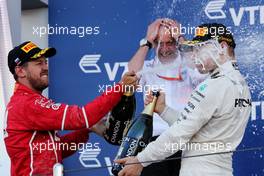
{"x":119,"y":119}
{"x":130,"y":147}
{"x":133,"y":146}
{"x":117,"y":130}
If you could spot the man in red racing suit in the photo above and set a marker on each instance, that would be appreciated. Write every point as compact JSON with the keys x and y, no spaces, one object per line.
{"x":32,"y":121}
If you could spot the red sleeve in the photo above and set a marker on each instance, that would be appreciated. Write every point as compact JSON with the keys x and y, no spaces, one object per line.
{"x":74,"y":138}
{"x":43,"y":114}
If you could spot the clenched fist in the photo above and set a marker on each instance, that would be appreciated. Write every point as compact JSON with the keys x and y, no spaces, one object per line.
{"x":129,"y":80}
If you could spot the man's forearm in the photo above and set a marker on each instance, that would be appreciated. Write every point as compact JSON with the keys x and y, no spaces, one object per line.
{"x":137,"y":61}
{"x":73,"y":139}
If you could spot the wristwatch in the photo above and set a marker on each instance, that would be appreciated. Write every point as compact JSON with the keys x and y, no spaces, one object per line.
{"x":145,"y":42}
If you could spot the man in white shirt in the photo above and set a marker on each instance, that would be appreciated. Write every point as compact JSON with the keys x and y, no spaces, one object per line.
{"x":169,"y":71}
{"x":213,"y":120}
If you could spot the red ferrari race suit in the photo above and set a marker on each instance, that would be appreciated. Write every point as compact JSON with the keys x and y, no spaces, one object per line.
{"x":31,"y":121}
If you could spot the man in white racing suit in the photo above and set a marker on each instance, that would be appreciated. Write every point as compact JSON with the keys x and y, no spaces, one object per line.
{"x":213,"y":120}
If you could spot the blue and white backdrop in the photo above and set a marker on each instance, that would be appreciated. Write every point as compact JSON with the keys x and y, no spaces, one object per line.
{"x":100,"y":37}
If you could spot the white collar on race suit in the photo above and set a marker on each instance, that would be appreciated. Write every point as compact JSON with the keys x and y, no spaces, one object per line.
{"x":226,"y":68}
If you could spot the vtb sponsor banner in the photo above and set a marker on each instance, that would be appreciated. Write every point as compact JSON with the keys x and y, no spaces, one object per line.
{"x":85,"y":63}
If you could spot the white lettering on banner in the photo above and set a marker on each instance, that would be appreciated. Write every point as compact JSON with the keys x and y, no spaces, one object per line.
{"x":112,"y":72}
{"x":256,"y":107}
{"x":252,"y":11}
{"x":213,"y":10}
{"x":88,"y":64}
{"x":236,"y":18}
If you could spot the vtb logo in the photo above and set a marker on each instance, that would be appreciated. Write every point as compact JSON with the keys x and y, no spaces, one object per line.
{"x":240,"y":102}
{"x":251,"y":14}
{"x":89,"y":159}
{"x":88,"y":64}
{"x":214,"y":9}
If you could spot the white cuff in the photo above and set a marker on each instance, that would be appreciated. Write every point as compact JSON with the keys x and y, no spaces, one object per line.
{"x":169,"y":115}
{"x":142,"y":158}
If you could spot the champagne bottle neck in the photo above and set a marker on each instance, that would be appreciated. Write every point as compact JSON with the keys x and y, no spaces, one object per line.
{"x":149,"y":109}
{"x":128,"y":93}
